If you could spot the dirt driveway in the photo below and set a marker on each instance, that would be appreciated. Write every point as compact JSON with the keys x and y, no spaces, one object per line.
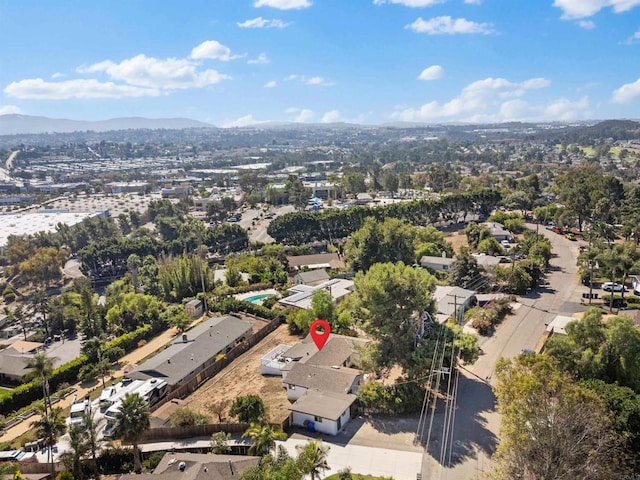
{"x":243,"y":377}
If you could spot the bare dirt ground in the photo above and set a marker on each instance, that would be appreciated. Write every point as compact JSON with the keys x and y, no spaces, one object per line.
{"x":243,"y":377}
{"x":456,"y":239}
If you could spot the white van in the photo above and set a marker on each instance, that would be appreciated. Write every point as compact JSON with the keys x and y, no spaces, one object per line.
{"x":107,"y":398}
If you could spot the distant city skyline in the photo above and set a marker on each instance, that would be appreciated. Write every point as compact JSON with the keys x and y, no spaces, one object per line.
{"x":242,"y":62}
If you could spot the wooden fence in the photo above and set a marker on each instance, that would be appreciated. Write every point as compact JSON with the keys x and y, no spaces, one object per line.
{"x":215,"y":368}
{"x":175,"y":433}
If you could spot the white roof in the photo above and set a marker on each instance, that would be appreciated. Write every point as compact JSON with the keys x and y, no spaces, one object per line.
{"x":302,"y":294}
{"x":28,"y":223}
{"x":558,"y":324}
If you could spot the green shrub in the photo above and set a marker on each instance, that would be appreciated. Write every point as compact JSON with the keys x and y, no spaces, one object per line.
{"x":9,"y":294}
{"x":115,"y":460}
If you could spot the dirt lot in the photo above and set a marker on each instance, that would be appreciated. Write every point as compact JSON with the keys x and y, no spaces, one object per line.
{"x":456,"y":239}
{"x":242,"y":377}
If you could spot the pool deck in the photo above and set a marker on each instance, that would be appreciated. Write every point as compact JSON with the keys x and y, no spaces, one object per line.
{"x":268,"y":291}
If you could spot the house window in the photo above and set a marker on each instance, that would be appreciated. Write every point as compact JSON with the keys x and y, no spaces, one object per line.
{"x":445,"y":267}
{"x":317,"y":419}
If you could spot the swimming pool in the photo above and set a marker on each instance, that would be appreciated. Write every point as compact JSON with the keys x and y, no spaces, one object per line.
{"x":258,"y":298}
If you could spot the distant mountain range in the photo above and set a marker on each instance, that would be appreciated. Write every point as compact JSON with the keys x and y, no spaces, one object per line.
{"x":13,"y":124}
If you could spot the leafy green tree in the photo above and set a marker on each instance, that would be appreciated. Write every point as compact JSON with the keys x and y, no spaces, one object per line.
{"x":296,"y":192}
{"x":133,"y":310}
{"x":248,"y":409}
{"x":323,"y":307}
{"x":45,"y":266}
{"x":490,"y":246}
{"x":220,"y":443}
{"x":177,"y":317}
{"x":388,"y":302}
{"x":465,"y":271}
{"x":185,"y":417}
{"x":312,"y":459}
{"x":133,"y":419}
{"x":476,"y":233}
{"x":551,"y":427}
{"x":263,"y":438}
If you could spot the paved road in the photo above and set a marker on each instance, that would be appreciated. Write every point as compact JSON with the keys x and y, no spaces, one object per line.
{"x":259,"y":233}
{"x":475,"y":435}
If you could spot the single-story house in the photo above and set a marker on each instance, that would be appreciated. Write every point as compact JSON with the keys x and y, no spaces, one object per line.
{"x":14,"y":360}
{"x":322,"y":260}
{"x":487,"y":262}
{"x":220,"y":275}
{"x":305,"y":376}
{"x":324,"y":412}
{"x":301,"y":295}
{"x":194,"y":308}
{"x":453,"y":302}
{"x":198,"y":466}
{"x":311,"y":278}
{"x":498,"y":231}
{"x":188,"y":356}
{"x":436,"y":263}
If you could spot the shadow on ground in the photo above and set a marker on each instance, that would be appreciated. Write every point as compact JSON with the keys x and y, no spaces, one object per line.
{"x":470,"y":433}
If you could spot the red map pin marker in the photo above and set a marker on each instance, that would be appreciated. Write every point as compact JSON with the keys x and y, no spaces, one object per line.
{"x":320,"y":338}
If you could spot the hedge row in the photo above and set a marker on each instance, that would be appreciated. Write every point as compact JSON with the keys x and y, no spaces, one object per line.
{"x":129,"y":341}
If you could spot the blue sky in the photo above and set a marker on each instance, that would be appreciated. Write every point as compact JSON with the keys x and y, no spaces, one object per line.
{"x":239,"y":62}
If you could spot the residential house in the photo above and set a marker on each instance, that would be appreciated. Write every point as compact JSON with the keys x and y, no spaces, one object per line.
{"x":324,"y":412}
{"x":436,"y":263}
{"x":323,"y":260}
{"x":498,"y":231}
{"x":452,"y":302}
{"x":487,"y":262}
{"x":301,"y":295}
{"x":198,"y":466}
{"x":559,"y":324}
{"x":307,"y":376}
{"x":194,"y":308}
{"x":14,"y":361}
{"x":187,"y":357}
{"x":311,"y":278}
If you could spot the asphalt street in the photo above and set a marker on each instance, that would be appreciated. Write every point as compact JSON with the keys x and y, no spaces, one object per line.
{"x":477,"y":423}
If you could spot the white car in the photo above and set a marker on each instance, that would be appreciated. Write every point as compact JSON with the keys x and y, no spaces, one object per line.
{"x":613,"y":287}
{"x":505,"y":243}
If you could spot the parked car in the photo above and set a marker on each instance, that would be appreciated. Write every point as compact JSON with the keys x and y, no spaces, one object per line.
{"x":505,"y":243}
{"x":571,"y":236}
{"x":613,"y":287}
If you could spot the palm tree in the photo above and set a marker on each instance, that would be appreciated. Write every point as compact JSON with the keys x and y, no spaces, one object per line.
{"x":312,"y":459}
{"x":40,"y":304}
{"x":50,"y":426}
{"x":263,"y":438}
{"x":589,"y":259}
{"x":79,"y":448}
{"x":92,"y":437}
{"x":132,"y":420}
{"x":42,"y":367}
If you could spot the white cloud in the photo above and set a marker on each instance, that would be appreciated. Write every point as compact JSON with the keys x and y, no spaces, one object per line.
{"x":587,"y":8}
{"x":304,"y":116}
{"x":474,"y":99}
{"x":213,"y":50}
{"x":245,"y":121}
{"x":410,"y":3}
{"x":321,"y":81}
{"x":293,"y":76}
{"x":81,"y":88}
{"x":261,"y":60}
{"x":143,"y":71}
{"x":586,"y":24}
{"x":331,"y":116}
{"x":434,"y":72}
{"x":635,"y":38}
{"x":627,"y":93}
{"x":449,"y":26}
{"x":9,"y":109}
{"x":271,"y":84}
{"x":283,"y":4}
{"x":57,"y":75}
{"x":473,"y":2}
{"x":260,"y":22}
